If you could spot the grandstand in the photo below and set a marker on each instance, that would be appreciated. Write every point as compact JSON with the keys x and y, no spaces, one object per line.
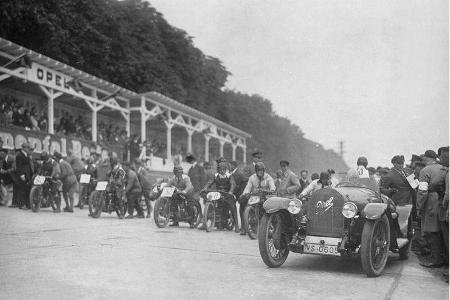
{"x":56,"y":107}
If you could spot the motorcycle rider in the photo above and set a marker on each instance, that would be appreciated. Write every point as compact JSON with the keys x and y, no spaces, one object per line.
{"x":317,"y":184}
{"x":258,"y":182}
{"x":288,"y":181}
{"x":183,"y":184}
{"x":69,"y":181}
{"x":117,"y":179}
{"x":224,"y":182}
{"x":50,"y":168}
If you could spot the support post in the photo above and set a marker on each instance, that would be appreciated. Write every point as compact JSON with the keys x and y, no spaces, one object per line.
{"x":190,"y":132}
{"x":222,"y":143}
{"x":233,"y":154}
{"x":51,"y":114}
{"x":94,"y":118}
{"x":207,"y":138}
{"x":244,"y":158}
{"x":169,"y":126}
{"x":143,"y":121}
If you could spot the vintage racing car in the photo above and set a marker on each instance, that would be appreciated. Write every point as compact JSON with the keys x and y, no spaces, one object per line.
{"x":346,"y":220}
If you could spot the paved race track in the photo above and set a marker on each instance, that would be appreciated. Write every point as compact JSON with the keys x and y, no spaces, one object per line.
{"x":71,"y":256}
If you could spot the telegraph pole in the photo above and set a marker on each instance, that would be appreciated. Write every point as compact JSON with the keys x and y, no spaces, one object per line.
{"x":341,"y":148}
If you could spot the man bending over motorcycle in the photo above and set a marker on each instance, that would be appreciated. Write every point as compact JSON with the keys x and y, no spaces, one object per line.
{"x":50,"y":168}
{"x":183,"y":184}
{"x":223,"y":182}
{"x":117,"y":178}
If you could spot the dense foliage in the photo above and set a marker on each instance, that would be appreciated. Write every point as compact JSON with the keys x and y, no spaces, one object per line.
{"x":131,"y":44}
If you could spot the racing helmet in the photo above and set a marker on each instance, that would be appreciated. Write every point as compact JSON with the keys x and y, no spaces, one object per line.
{"x":259,"y":166}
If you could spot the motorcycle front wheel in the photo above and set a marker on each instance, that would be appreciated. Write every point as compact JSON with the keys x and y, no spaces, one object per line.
{"x":35,"y":198}
{"x":209,"y":216}
{"x":251,"y":222}
{"x":161,"y":212}
{"x":96,"y":202}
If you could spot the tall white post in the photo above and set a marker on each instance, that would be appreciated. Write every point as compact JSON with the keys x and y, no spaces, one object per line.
{"x":233,"y":154}
{"x":207,"y":138}
{"x":244,"y":158}
{"x":222,"y":143}
{"x":143,"y":120}
{"x":94,"y":119}
{"x":128,"y":121}
{"x":190,"y":132}
{"x":169,"y":126}
{"x":51,"y":113}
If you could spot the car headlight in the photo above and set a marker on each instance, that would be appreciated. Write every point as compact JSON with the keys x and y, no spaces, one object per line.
{"x":295,"y":206}
{"x":349,"y":210}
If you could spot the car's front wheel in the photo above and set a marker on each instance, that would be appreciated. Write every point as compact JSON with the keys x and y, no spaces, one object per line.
{"x":375,"y":242}
{"x":271,"y":240}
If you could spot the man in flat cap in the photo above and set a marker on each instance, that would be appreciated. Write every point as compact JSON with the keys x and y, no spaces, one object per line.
{"x":395,"y":185}
{"x":429,"y":198}
{"x":288,"y":181}
{"x":24,"y":172}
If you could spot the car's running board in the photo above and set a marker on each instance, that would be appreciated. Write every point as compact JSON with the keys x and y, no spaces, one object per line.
{"x":402,"y":242}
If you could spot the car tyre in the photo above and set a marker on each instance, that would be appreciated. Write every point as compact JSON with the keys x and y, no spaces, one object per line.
{"x":272,"y":256}
{"x":375,"y":243}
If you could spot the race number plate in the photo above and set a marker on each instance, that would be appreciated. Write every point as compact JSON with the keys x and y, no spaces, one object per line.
{"x":167,"y":192}
{"x":253,"y":200}
{"x":321,"y":245}
{"x":85,"y":178}
{"x":39,"y":180}
{"x":101,"y":185}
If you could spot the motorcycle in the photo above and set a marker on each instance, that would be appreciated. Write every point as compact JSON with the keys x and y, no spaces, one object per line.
{"x":253,"y":212}
{"x":87,"y":183}
{"x":216,"y":212}
{"x":105,"y":199}
{"x":44,"y":193}
{"x":172,"y":204}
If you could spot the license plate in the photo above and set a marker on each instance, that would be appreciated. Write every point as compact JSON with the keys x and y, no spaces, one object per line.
{"x":39,"y":180}
{"x":321,"y":245}
{"x":85,"y":178}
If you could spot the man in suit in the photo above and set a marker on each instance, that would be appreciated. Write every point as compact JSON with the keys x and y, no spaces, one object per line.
{"x":395,"y":185}
{"x":288,"y":183}
{"x":69,"y":181}
{"x":304,"y":182}
{"x":248,"y":171}
{"x":24,"y":173}
{"x":196,"y":173}
{"x":6,"y":173}
{"x":429,"y":198}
